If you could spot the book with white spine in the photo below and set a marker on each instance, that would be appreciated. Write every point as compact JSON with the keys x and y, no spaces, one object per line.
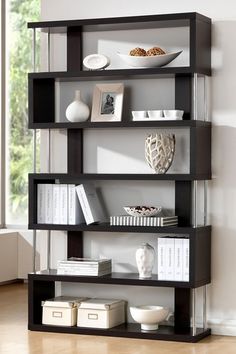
{"x":48,"y":204}
{"x":56,"y":203}
{"x":75,"y":213}
{"x":63,"y":204}
{"x":169,"y":254}
{"x":161,"y":258}
{"x":178,"y":269}
{"x":41,"y":199}
{"x":186,"y":256}
{"x":90,"y":204}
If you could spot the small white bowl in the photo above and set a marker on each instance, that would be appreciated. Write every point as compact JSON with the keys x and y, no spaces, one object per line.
{"x":173,"y":114}
{"x":155,"y":114}
{"x":139,"y":115}
{"x":142,"y":210}
{"x":149,"y":316}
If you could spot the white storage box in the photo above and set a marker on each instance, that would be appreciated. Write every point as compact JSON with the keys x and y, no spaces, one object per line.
{"x":101,"y":313}
{"x":61,"y":310}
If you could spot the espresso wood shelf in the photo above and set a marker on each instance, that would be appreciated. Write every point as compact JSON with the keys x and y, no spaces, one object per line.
{"x":130,"y":330}
{"x":106,"y":227}
{"x":112,"y":74}
{"x":116,"y":278}
{"x":70,"y":178}
{"x":160,"y":20}
{"x":42,"y":115}
{"x":164,"y":123}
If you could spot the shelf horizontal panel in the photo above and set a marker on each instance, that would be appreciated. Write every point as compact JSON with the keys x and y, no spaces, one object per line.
{"x":124,"y":124}
{"x":106,"y":227}
{"x":166,"y":18}
{"x":113,"y":74}
{"x":130,"y":330}
{"x":114,"y":278}
{"x":66,"y":178}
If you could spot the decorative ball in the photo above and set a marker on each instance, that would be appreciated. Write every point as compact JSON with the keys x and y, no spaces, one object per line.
{"x":155,"y":51}
{"x":138,"y":52}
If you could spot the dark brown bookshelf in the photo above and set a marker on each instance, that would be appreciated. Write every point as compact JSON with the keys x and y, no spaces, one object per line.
{"x":130,"y":330}
{"x":168,"y":19}
{"x":164,"y":123}
{"x":42,"y":116}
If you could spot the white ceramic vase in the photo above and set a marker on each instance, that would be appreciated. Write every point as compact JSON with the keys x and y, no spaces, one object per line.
{"x":77,"y":111}
{"x":145,"y":256}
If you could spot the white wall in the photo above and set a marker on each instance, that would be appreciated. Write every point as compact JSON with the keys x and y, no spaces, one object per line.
{"x":222,"y":306}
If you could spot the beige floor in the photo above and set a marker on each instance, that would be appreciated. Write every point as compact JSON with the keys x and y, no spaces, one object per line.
{"x":15,"y":338}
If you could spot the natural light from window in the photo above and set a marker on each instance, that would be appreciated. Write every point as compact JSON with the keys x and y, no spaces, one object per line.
{"x":19,"y":139}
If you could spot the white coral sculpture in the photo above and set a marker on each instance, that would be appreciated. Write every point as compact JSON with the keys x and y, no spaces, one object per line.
{"x":159,"y":151}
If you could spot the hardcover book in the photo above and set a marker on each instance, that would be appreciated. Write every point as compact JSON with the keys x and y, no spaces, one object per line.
{"x":90,"y":204}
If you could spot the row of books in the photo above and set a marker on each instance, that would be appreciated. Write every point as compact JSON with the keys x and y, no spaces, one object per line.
{"x":84,"y":266}
{"x":173,"y":258}
{"x":124,"y":220}
{"x":68,"y":204}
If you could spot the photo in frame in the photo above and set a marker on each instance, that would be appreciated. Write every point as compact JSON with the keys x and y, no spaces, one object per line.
{"x":107,"y":102}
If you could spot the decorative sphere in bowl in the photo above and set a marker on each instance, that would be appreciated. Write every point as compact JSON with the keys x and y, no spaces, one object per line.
{"x":149,"y":316}
{"x":142,"y":210}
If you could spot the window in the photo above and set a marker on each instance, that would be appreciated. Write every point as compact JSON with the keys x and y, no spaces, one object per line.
{"x":19,"y":140}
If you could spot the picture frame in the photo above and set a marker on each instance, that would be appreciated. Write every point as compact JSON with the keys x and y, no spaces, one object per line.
{"x":107,"y":102}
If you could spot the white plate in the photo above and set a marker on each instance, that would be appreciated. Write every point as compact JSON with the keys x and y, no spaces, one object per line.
{"x":149,"y":62}
{"x":96,"y":62}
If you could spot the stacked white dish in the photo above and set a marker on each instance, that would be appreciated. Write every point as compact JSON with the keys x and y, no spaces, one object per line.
{"x":167,"y":114}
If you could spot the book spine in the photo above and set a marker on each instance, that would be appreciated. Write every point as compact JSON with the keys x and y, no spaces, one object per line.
{"x":56,"y":204}
{"x":186,"y":259}
{"x":63,"y":205}
{"x":41,"y":204}
{"x":169,"y":254}
{"x":161,"y":266}
{"x":178,"y":269}
{"x":49,"y":204}
{"x":71,"y":204}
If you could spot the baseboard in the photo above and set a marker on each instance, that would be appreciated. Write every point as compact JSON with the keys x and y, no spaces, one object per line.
{"x":222,"y":327}
{"x":7,"y":282}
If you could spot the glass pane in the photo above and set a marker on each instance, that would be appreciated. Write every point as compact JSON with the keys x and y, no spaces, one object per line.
{"x":19,"y":140}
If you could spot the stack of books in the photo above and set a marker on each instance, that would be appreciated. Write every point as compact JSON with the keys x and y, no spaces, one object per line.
{"x":68,"y":204}
{"x":125,"y":220}
{"x":84,"y":266}
{"x":173,"y":258}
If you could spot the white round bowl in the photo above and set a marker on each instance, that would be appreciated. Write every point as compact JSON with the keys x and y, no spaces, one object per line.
{"x":155,"y":114}
{"x":149,"y":316}
{"x":173,"y":114}
{"x":139,"y":115}
{"x":149,"y":62}
{"x":142,"y":210}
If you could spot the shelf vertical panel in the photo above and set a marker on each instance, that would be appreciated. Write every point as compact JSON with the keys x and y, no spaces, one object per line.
{"x":183,"y":95}
{"x":38,"y":291}
{"x":203,"y":45}
{"x":75,"y":151}
{"x":75,"y":244}
{"x":32,"y":207}
{"x":183,"y":202}
{"x":200,"y":256}
{"x":74,"y":48}
{"x":41,"y":100}
{"x":182,"y":308}
{"x":200,"y":150}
